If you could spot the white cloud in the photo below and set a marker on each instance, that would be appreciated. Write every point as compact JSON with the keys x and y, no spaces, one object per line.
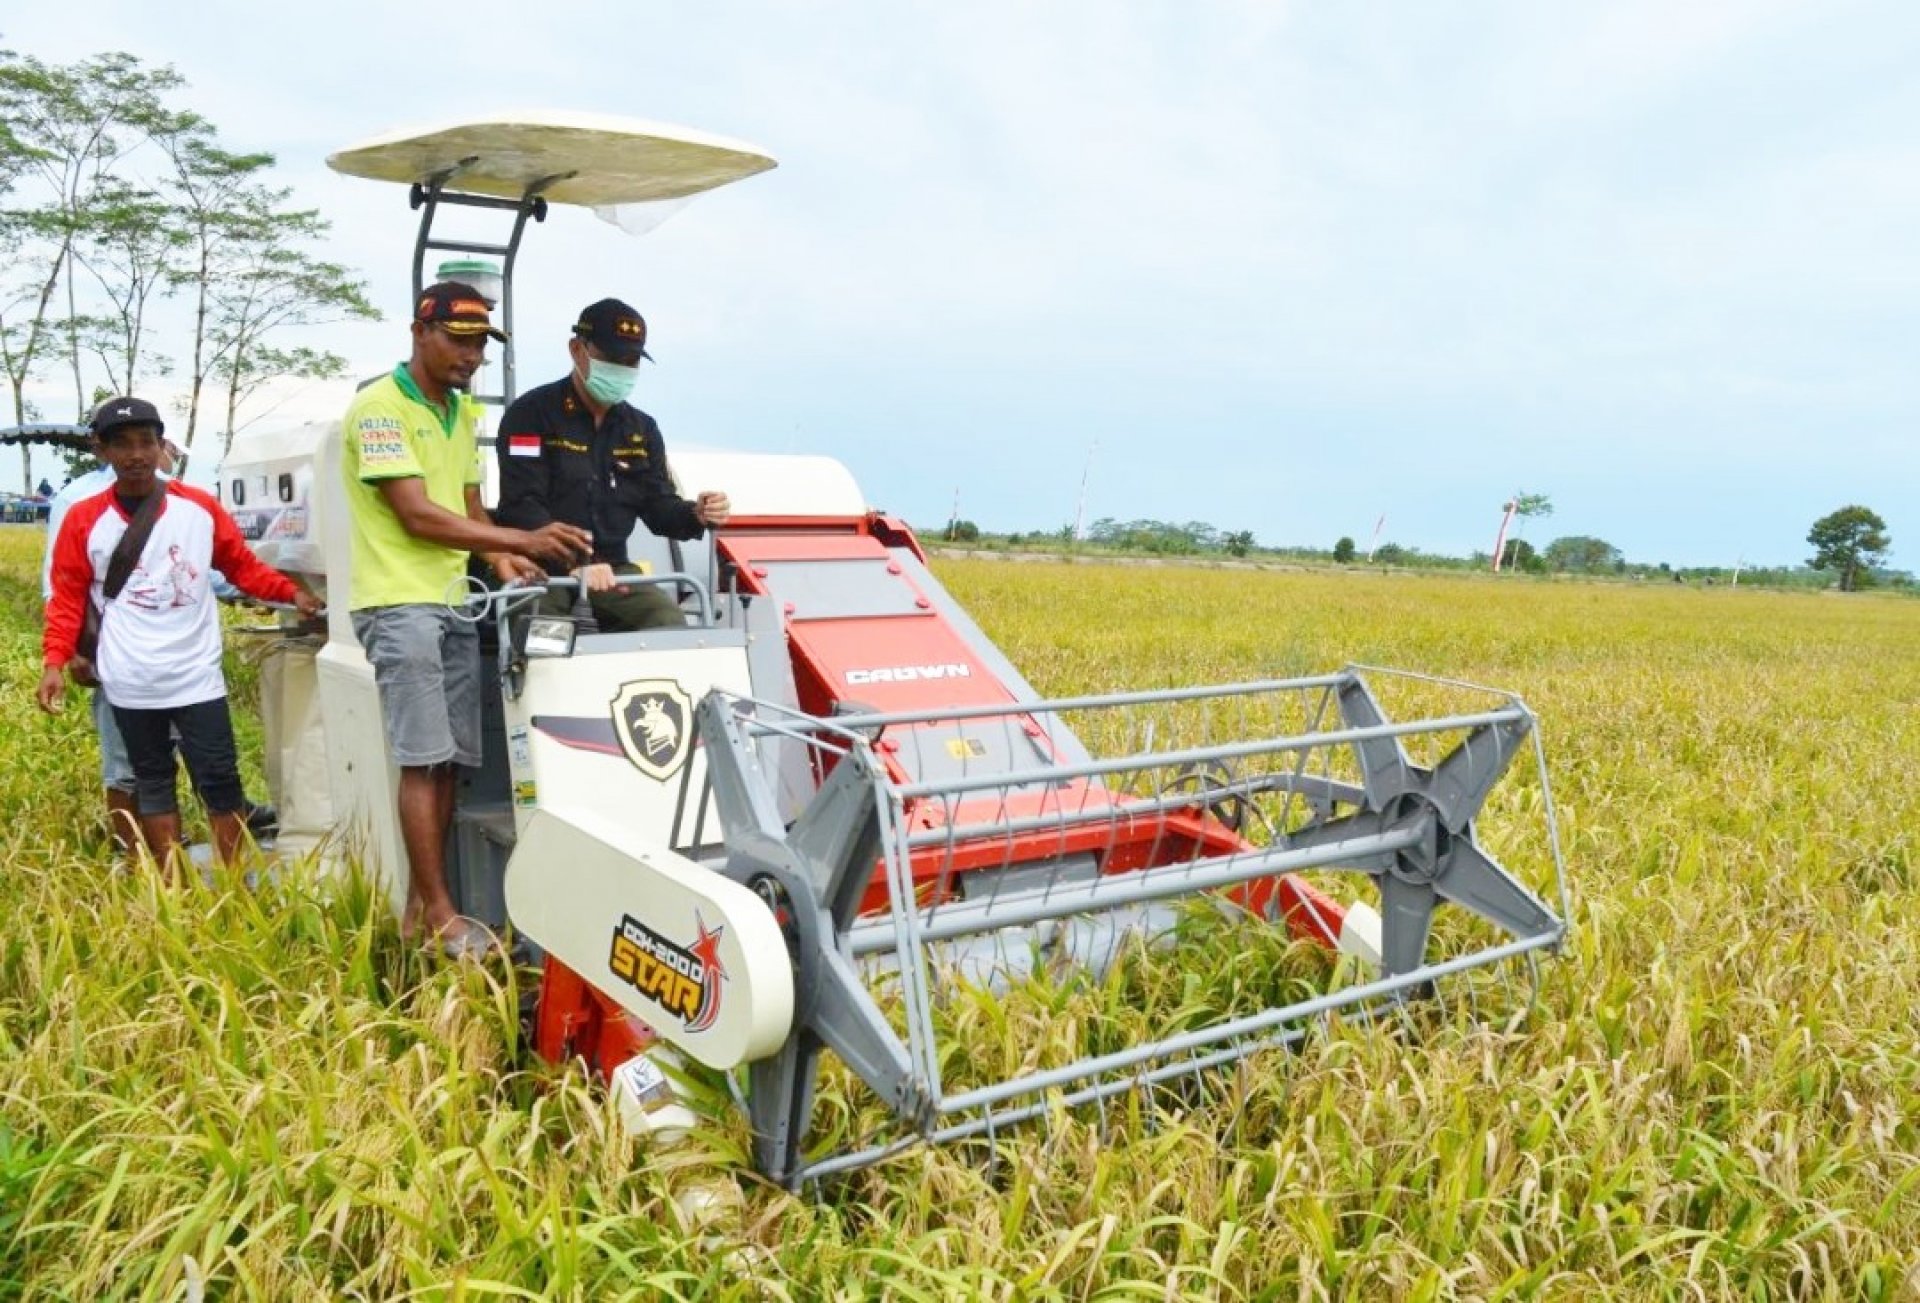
{"x":1386,"y":251}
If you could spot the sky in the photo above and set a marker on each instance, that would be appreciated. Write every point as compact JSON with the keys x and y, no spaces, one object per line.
{"x":1281,"y":267}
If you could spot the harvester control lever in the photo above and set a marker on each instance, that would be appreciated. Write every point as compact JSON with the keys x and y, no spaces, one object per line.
{"x":300,"y":626}
{"x":473,"y":601}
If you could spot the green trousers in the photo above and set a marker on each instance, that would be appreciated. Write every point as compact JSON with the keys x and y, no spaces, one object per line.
{"x":622,"y":610}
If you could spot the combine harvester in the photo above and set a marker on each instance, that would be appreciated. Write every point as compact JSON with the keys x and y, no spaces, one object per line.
{"x":829,"y":814}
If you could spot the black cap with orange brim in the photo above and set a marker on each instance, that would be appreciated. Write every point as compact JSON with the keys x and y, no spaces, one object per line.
{"x":458,"y":309}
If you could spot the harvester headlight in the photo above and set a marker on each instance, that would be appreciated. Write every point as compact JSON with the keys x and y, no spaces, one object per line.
{"x":550,"y":635}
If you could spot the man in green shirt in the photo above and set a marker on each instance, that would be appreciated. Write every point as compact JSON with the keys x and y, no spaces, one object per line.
{"x":412,"y":474}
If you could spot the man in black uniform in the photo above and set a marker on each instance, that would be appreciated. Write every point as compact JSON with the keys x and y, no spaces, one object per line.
{"x":575,"y":451}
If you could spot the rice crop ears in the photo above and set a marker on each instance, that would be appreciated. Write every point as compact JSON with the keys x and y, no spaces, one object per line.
{"x":215,"y":1092}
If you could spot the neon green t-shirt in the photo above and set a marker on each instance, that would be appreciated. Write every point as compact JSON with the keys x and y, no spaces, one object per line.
{"x":392,"y":432}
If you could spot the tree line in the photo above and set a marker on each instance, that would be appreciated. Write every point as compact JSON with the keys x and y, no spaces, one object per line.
{"x":116,"y":200}
{"x":1851,"y":545}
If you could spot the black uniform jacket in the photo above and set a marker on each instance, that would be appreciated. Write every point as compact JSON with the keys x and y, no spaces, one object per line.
{"x":555,"y":466}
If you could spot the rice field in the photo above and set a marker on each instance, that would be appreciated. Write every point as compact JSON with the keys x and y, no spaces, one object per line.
{"x":211,"y":1092}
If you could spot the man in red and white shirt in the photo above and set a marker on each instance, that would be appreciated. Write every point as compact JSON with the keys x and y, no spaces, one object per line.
{"x":158,"y":659}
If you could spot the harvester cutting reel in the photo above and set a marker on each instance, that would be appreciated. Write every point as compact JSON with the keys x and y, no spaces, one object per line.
{"x":945,"y":858}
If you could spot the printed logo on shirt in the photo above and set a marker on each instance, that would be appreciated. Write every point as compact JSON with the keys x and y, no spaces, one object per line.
{"x":383,"y":442}
{"x":181,"y":574}
{"x":173,"y":585}
{"x":143,"y":591}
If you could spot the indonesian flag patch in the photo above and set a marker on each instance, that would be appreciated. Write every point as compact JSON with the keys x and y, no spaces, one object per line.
{"x":523,"y":445}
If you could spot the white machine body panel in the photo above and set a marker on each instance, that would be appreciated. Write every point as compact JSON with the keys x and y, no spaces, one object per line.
{"x":614,"y":733}
{"x":365,"y":781}
{"x":770,"y":484}
{"x":695,"y":956}
{"x":266,"y":483}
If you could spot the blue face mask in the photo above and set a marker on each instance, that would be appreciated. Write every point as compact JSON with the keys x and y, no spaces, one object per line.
{"x":609,"y":382}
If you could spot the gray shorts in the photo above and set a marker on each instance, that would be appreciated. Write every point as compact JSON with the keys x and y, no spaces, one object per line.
{"x":116,"y":767}
{"x":426,"y":663}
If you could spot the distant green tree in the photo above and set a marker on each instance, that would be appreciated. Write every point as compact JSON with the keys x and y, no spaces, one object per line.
{"x":76,"y":462}
{"x":1238,"y":543}
{"x":963,"y":531}
{"x":1581,"y":554}
{"x":1521,"y":555}
{"x":1528,"y":505}
{"x":1343,"y":550}
{"x":1850,"y":542}
{"x":1157,"y":536}
{"x":1390,"y":554}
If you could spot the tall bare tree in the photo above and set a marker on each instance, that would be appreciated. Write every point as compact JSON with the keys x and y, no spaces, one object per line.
{"x":216,"y":191}
{"x":110,"y":189}
{"x":67,"y":129}
{"x":273,"y":283}
{"x":132,"y":243}
{"x":250,"y":273}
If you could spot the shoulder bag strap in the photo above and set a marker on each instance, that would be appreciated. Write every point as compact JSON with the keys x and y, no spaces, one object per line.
{"x":127,"y":552}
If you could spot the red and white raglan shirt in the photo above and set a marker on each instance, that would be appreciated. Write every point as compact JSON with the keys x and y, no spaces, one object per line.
{"x":160,"y":638}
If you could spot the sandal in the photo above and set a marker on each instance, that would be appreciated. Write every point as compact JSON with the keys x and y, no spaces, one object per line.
{"x":466,"y":938}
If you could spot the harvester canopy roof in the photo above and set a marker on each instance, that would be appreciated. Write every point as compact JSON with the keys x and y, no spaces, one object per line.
{"x":592,"y":159}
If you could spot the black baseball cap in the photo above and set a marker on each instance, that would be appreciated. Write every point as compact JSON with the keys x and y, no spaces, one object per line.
{"x":458,"y":309}
{"x":117,"y":412}
{"x":616,"y":330}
